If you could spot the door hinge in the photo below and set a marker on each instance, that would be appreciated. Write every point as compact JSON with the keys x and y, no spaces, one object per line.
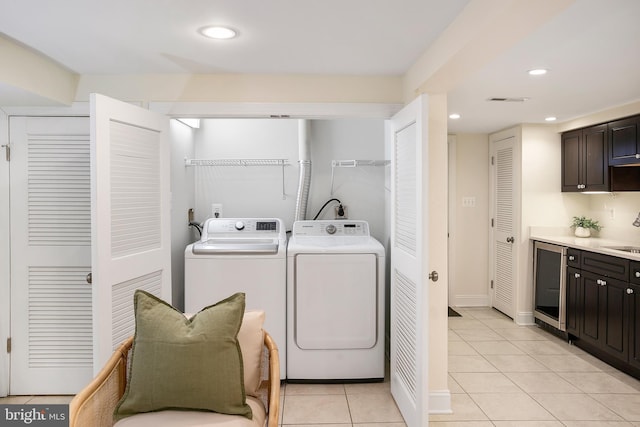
{"x":7,"y":151}
{"x":9,"y":345}
{"x":492,"y":284}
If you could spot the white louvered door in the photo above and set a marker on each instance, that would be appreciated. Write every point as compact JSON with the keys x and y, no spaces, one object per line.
{"x":504,"y":227}
{"x":51,"y":255}
{"x":130,"y":201}
{"x":409,"y":293}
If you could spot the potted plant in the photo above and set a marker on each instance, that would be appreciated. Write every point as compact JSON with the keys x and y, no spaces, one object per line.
{"x":584,"y":225}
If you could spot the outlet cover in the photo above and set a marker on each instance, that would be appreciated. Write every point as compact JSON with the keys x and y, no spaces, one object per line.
{"x":344,"y":215}
{"x":216,"y":210}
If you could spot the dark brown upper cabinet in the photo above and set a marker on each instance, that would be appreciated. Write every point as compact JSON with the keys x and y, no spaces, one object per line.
{"x":585,"y":159}
{"x":624,"y":145}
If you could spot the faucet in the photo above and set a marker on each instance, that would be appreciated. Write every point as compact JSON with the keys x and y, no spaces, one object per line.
{"x":636,"y":223}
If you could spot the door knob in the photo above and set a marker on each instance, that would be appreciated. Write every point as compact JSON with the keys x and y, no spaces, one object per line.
{"x":510,"y":239}
{"x":89,"y":278}
{"x":433,"y":276}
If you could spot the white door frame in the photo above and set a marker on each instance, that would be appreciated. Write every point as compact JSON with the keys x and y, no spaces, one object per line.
{"x":452,"y":142}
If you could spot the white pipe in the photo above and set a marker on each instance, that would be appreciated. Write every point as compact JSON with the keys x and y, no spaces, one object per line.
{"x":304,"y":180}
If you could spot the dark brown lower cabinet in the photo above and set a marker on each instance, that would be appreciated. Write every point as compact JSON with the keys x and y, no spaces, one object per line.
{"x":603,"y":313}
{"x":634,"y":325}
{"x":574,"y":294}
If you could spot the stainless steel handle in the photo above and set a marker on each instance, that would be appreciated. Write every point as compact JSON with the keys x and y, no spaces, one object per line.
{"x":510,"y":239}
{"x":601,"y":282}
{"x":637,"y":273}
{"x":572,"y":258}
{"x":433,"y":276}
{"x":576,"y":275}
{"x":629,"y":291}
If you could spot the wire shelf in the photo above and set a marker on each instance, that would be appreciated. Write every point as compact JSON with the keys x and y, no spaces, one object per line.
{"x":236,"y":162}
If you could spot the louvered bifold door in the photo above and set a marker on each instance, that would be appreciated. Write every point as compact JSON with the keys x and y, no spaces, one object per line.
{"x":51,"y":318}
{"x":130,"y":216}
{"x":408,"y":363}
{"x":504,"y":228}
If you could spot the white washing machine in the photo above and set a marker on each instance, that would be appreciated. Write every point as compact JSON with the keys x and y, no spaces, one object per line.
{"x":335,"y":302}
{"x":241,"y":255}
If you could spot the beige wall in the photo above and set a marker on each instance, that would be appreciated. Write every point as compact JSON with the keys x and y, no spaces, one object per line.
{"x":470,"y":261}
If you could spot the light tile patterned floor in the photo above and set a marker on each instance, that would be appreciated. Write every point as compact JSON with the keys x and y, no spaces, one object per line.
{"x":500,"y":375}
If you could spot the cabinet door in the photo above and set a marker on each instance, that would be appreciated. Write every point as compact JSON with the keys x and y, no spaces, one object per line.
{"x":590,"y":300}
{"x":571,"y":152}
{"x":623,"y":141}
{"x":614,"y":312}
{"x":634,"y":325}
{"x":596,"y":168}
{"x":574,"y":308}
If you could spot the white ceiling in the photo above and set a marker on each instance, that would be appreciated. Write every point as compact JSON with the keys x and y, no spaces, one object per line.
{"x":592,"y":48}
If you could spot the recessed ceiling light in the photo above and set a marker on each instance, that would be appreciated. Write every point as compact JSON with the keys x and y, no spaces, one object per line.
{"x":219,"y":33}
{"x":454,"y":116}
{"x":537,"y":72}
{"x":550,"y":119}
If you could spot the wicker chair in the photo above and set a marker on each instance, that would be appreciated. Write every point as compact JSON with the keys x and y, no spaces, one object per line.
{"x":94,"y":405}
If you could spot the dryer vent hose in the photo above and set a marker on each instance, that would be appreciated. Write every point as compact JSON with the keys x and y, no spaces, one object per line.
{"x":304,"y":184}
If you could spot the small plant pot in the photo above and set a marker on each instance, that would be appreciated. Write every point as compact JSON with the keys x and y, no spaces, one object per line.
{"x":582,"y":232}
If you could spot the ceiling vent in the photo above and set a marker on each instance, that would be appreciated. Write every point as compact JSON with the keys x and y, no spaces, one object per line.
{"x":498,"y":99}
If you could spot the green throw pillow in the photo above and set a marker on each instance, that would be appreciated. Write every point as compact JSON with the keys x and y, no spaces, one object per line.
{"x":180,"y":363}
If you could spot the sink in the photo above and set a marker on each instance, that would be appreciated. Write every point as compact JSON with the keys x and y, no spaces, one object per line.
{"x":630,"y":249}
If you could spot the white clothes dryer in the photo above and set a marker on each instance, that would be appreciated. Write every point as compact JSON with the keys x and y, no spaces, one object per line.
{"x":335,"y":302}
{"x":241,"y":255}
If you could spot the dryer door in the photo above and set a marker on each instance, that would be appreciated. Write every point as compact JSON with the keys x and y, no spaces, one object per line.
{"x":336,"y":300}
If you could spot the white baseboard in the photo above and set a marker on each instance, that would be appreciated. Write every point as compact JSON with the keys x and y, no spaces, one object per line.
{"x":440,"y":402}
{"x":470,"y":301}
{"x":524,"y":318}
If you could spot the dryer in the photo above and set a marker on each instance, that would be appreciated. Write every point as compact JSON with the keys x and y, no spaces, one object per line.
{"x":335,"y":302}
{"x":241,"y":255}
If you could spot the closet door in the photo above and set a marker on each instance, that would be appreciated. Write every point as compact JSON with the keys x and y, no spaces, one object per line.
{"x":130,"y":216}
{"x":409,"y":286}
{"x":51,"y":338}
{"x":503,"y":250}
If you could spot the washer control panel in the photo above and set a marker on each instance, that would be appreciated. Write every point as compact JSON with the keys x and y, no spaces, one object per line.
{"x":331,"y":228}
{"x":241,"y":227}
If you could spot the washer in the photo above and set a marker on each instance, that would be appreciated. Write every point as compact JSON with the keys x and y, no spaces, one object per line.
{"x":335,"y":309}
{"x":241,"y":255}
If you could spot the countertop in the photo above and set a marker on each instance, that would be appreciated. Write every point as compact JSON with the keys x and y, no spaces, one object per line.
{"x":593,"y":244}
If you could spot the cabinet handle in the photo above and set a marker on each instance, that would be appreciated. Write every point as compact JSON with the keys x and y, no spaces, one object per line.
{"x":572,"y":258}
{"x":637,"y":156}
{"x":603,"y":283}
{"x":637,"y":273}
{"x":510,"y":239}
{"x":576,"y":275}
{"x":629,"y":291}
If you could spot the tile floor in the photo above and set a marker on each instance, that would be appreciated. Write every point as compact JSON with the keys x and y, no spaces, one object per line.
{"x":500,"y":374}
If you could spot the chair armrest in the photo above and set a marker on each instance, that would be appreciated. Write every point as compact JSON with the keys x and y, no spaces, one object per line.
{"x":273,"y":386}
{"x":94,"y":405}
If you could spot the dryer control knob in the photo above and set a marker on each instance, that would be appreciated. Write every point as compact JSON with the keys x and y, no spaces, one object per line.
{"x":331,"y":229}
{"x":239,"y":225}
